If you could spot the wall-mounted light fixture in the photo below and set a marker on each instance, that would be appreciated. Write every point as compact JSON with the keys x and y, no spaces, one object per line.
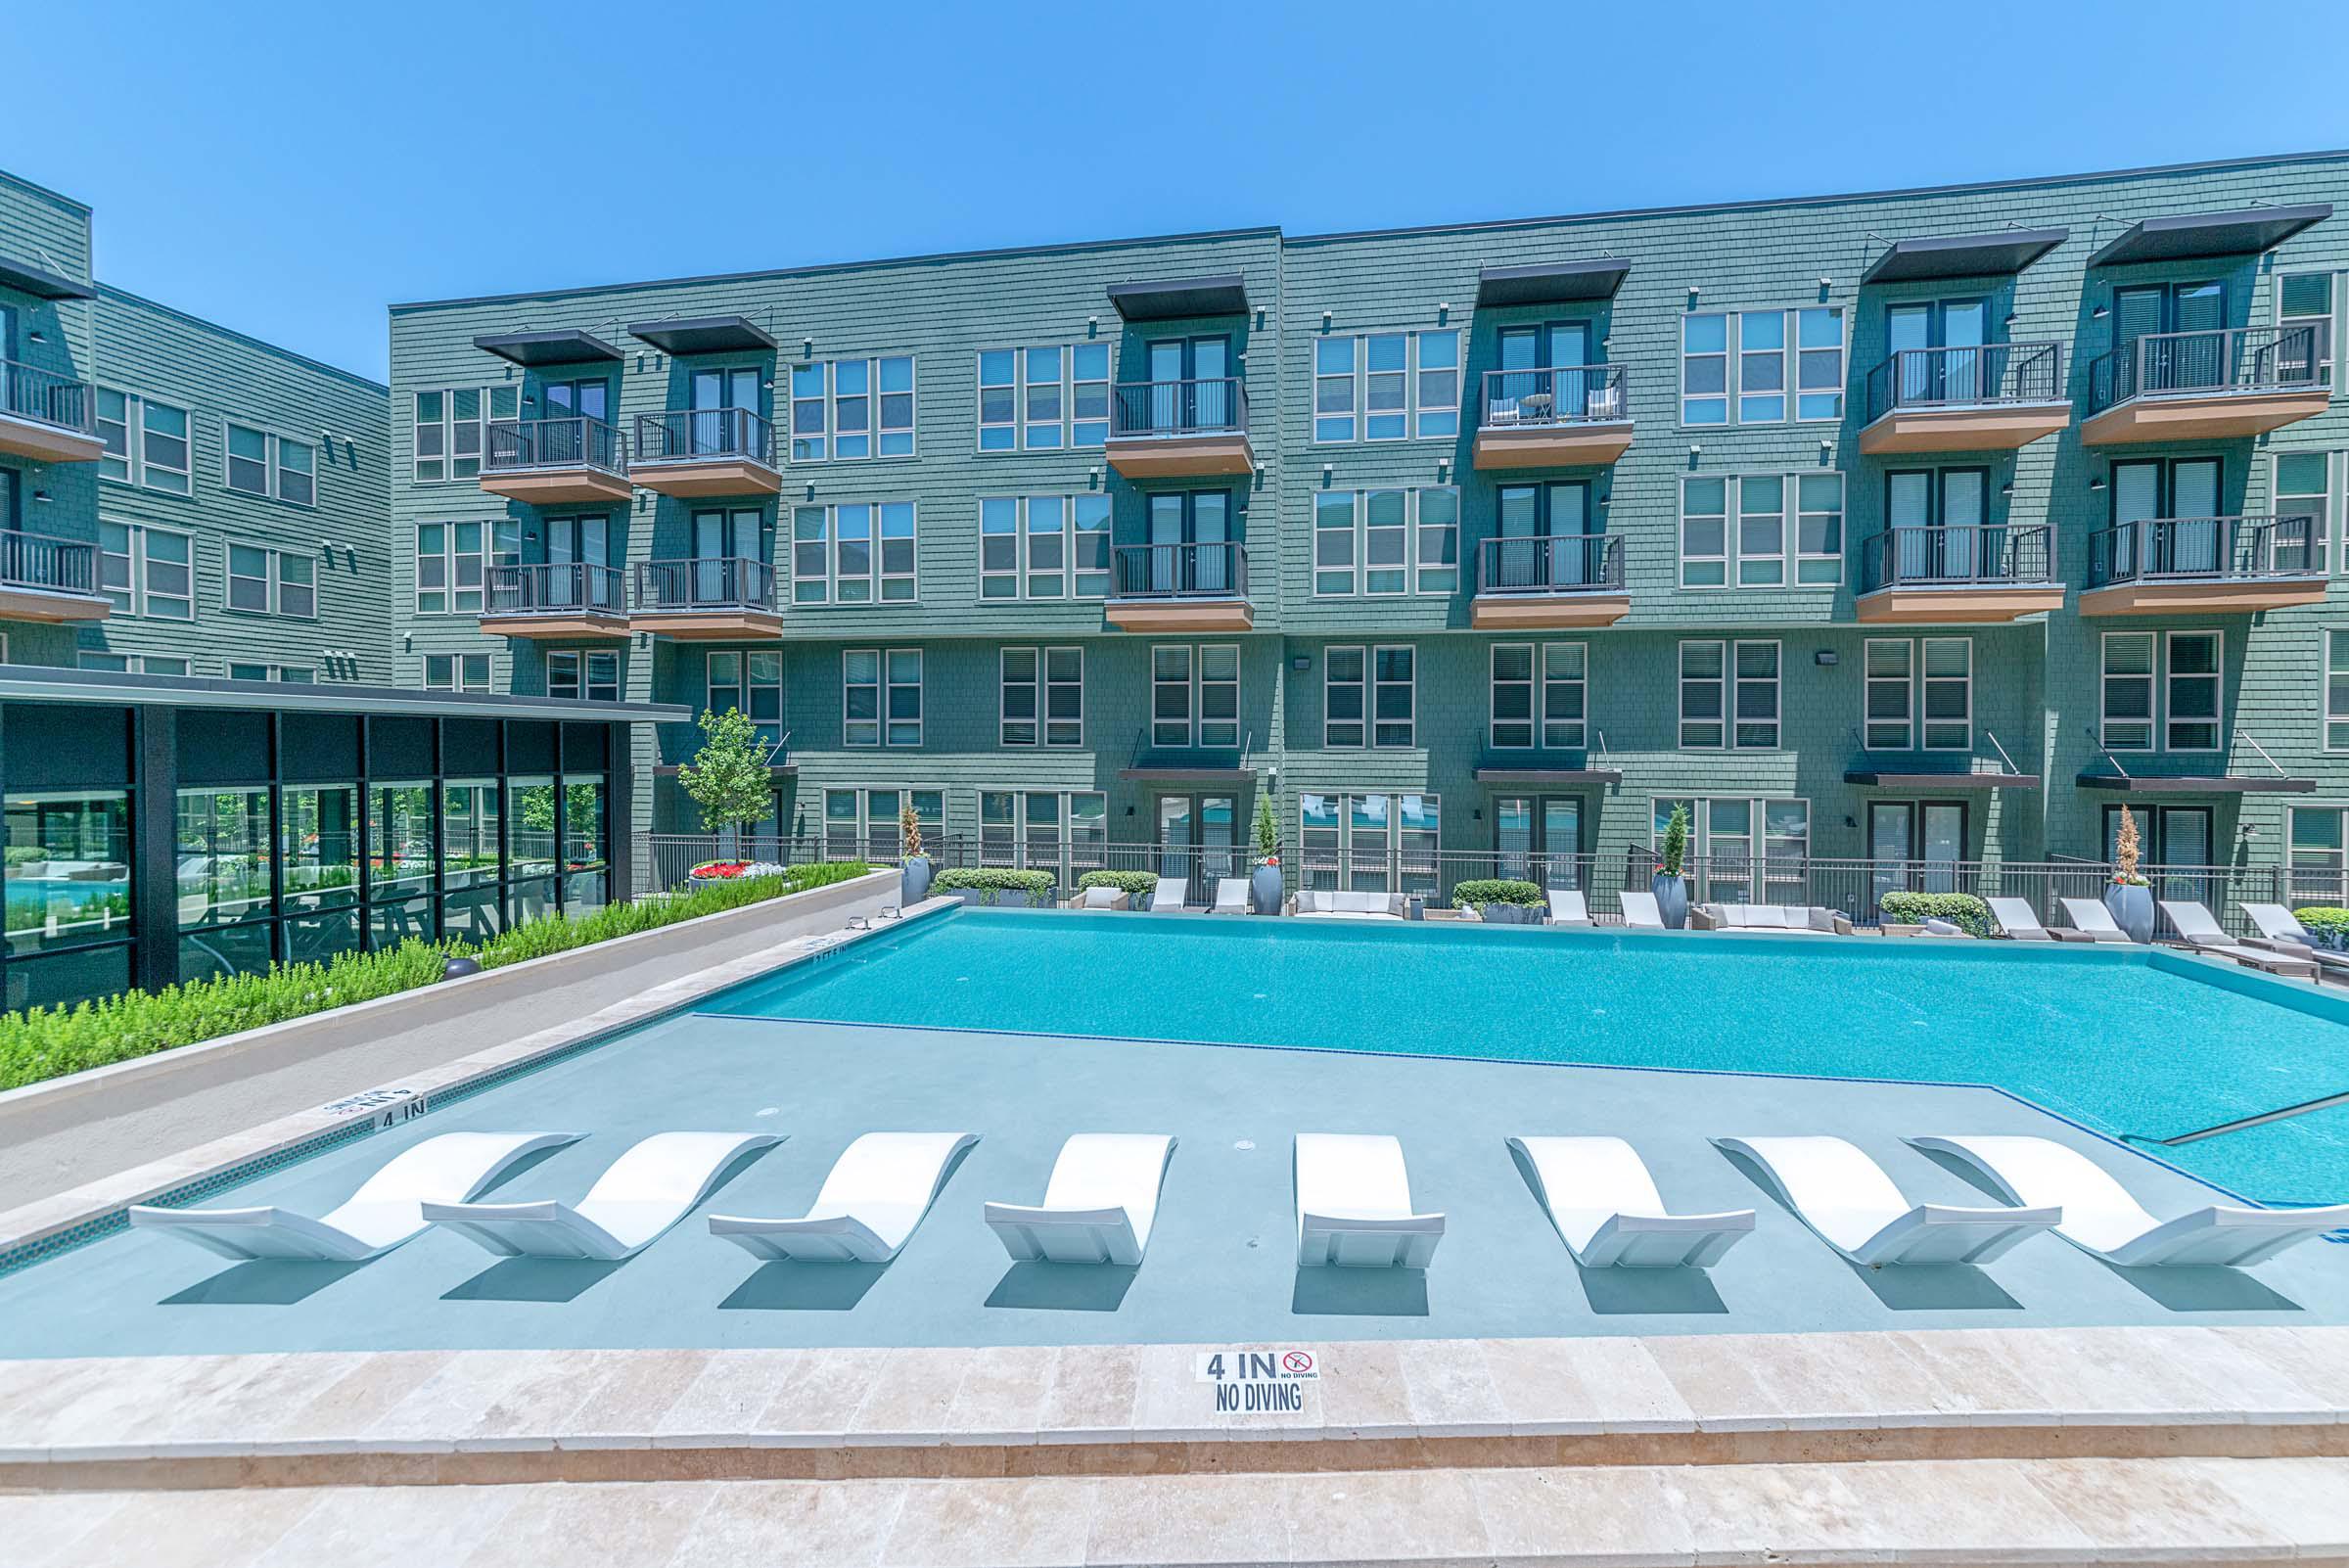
{"x":1324,"y":321}
{"x":1825,"y":659}
{"x":2099,"y":313}
{"x":1328,"y":472}
{"x":2097,"y":484}
{"x":1302,"y":663}
{"x":2006,"y":489}
{"x":41,"y":496}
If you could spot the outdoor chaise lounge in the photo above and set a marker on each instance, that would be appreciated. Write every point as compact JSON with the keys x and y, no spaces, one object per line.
{"x":1846,"y":1197}
{"x":2020,"y":922}
{"x":1324,"y":903}
{"x":640,"y":1195}
{"x":384,"y":1212}
{"x":2205,"y":935}
{"x":1640,"y":911}
{"x":1100,"y":899}
{"x":2092,"y":920}
{"x":1098,"y":1203}
{"x":1232,"y":895}
{"x":2280,"y":930}
{"x":1170,"y":896}
{"x":1568,"y":907}
{"x":2100,"y":1216}
{"x":1610,"y":1214}
{"x":879,"y":1189}
{"x":1797,"y":918}
{"x":1353,"y":1204}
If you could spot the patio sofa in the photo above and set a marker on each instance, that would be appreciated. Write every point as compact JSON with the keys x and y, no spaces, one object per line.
{"x":1797,"y":918}
{"x":1348,"y":905}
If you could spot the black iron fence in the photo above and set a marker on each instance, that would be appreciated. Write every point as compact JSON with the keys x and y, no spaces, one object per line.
{"x":1560,"y":562}
{"x":553,"y":587}
{"x":1957,"y":554}
{"x":28,"y":392}
{"x":1562,"y":394}
{"x":1214,"y":405}
{"x":726,"y":582}
{"x":2205,"y":547}
{"x":37,"y":561}
{"x":575,"y":441}
{"x":702,"y":435}
{"x":2222,"y":359}
{"x":1983,"y":373}
{"x":1217,"y":570}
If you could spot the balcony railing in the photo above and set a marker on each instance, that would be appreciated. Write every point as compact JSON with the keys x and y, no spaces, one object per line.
{"x":2205,"y":549}
{"x":554,"y":587}
{"x":1212,"y":407}
{"x":1568,"y":394}
{"x":1953,"y":378}
{"x":1958,"y":554}
{"x":727,"y":583}
{"x":47,"y":397}
{"x":1218,"y":570}
{"x":704,"y":434}
{"x":1563,"y":563}
{"x":37,"y":561}
{"x":520,"y":445}
{"x":2232,"y":359}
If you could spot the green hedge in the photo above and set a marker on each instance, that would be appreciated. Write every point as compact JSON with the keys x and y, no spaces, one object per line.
{"x":43,"y":1042}
{"x":1479,"y":892}
{"x":1963,"y":910}
{"x":1141,"y":884}
{"x":989,"y":880}
{"x":2322,"y":920}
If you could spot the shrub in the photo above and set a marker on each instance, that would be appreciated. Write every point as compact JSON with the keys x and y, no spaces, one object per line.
{"x":1676,"y":841}
{"x":1963,"y":910}
{"x":25,"y":854}
{"x":2323,"y":921}
{"x":1137,"y":884}
{"x":988,"y":881}
{"x":1478,"y":892}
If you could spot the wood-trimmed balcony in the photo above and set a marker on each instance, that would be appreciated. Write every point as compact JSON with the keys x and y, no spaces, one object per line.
{"x":717,"y":599}
{"x":1180,"y":429}
{"x":1560,"y":583}
{"x":1575,"y":416}
{"x":2208,"y":386}
{"x":1987,"y":397}
{"x":694,"y":453}
{"x":47,"y":417}
{"x":2205,"y":566}
{"x":572,"y":461}
{"x":555,"y":601}
{"x":1959,"y":574}
{"x":50,"y":580}
{"x":1180,"y":587}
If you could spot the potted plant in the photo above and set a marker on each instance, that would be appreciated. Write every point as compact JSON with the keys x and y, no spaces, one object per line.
{"x":2130,"y":897}
{"x":1000,"y":887}
{"x":1501,"y":901}
{"x":2329,"y":926}
{"x":914,"y":880}
{"x":1670,"y":886}
{"x":1264,"y":885}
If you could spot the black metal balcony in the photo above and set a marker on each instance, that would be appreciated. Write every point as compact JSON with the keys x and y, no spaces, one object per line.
{"x":554,"y":588}
{"x":2206,"y":549}
{"x":1218,"y":570}
{"x":37,"y":561}
{"x":727,"y":583}
{"x":1981,"y":375}
{"x":704,"y":434}
{"x":1216,"y":406}
{"x":1561,"y":562}
{"x":1564,"y":394}
{"x":2225,"y":360}
{"x":46,"y":416}
{"x":1958,"y":555}
{"x":520,"y":445}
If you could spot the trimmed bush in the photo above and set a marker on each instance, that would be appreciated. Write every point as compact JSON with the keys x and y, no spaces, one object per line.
{"x":1139,"y":883}
{"x":988,"y":881}
{"x":1963,"y":910}
{"x":2323,"y":921}
{"x":1479,"y":892}
{"x":43,"y":1042}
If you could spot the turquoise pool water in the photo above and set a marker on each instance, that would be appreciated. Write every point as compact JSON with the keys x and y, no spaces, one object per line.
{"x":2138,"y":1043}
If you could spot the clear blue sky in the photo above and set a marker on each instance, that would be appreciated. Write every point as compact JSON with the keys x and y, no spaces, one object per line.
{"x":289,"y":169}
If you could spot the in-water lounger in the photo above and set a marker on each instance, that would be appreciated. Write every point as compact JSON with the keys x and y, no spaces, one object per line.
{"x":2099,"y":1215}
{"x":1846,"y":1197}
{"x":1353,"y":1204}
{"x":384,"y":1212}
{"x":641,"y":1194}
{"x":1610,"y":1214}
{"x":878,"y":1190}
{"x":1098,"y":1204}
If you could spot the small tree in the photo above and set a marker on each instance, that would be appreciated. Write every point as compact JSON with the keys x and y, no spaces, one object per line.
{"x":2125,"y":848}
{"x":1268,"y":831}
{"x":909,"y":829}
{"x":1676,"y":841}
{"x":728,"y":779}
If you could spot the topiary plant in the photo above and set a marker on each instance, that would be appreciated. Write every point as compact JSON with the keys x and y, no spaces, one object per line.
{"x":1675,"y":842}
{"x":1478,"y":892}
{"x":1136,"y":882}
{"x":1268,"y":831}
{"x":1963,"y":910}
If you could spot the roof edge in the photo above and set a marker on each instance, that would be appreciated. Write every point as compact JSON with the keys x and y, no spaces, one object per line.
{"x":107,"y":290}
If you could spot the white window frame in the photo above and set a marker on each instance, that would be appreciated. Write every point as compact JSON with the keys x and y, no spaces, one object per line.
{"x":1550,"y":682}
{"x":1871,"y":683}
{"x":1425,"y":411}
{"x":1420,"y":577}
{"x":501,"y":545}
{"x":1790,"y":353}
{"x":2170,"y":677}
{"x":1926,"y":681}
{"x":743,"y":684}
{"x":2332,"y":676}
{"x":580,"y":663}
{"x":2106,"y":680}
{"x":2328,"y":507}
{"x":1756,"y":838}
{"x":272,"y":581}
{"x":134,"y":558}
{"x":1531,"y":683}
{"x":1021,"y":852}
{"x":885,"y":684}
{"x":124,"y":663}
{"x":1739,"y":681}
{"x":1041,"y":684}
{"x":1410,"y":690}
{"x":458,"y":679}
{"x":281,"y":675}
{"x":448,"y":423}
{"x":138,"y":469}
{"x":1542,"y":732}
{"x":1793,"y":563}
{"x":272,"y":460}
{"x":876,"y":580}
{"x":1730,"y":685}
{"x":1069,"y":386}
{"x":1195,"y":730}
{"x":1359,"y":684}
{"x":1023,"y":575}
{"x":934,"y":828}
{"x":876,"y":434}
{"x":2331,"y":318}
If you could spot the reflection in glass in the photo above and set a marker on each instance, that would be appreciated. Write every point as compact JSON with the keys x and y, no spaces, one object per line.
{"x":531,"y":837}
{"x":401,"y":848}
{"x":469,"y":822}
{"x":318,"y":846}
{"x":67,"y":873}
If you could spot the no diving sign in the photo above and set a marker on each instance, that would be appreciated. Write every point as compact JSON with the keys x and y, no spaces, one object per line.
{"x":1260,"y":1382}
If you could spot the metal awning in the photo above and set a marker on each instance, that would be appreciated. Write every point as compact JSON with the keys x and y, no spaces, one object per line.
{"x":2202,"y":234}
{"x":1164,"y":299}
{"x":2198,"y":784}
{"x":40,"y":282}
{"x":1177,"y":774}
{"x":569,"y":347}
{"x":704,"y":335}
{"x":1550,"y":282}
{"x":41,"y":684}
{"x":1549,"y":775}
{"x":1869,"y":778}
{"x":1963,"y":256}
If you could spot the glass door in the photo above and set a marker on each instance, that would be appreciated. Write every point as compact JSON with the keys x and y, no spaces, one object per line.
{"x":2197,"y":536}
{"x":2176,"y":843}
{"x":2136,"y":503}
{"x":721,"y":538}
{"x":575,"y":546}
{"x":715,"y":429}
{"x":1177,"y":524}
{"x":1539,"y":839}
{"x":1914,"y":846}
{"x":1198,"y":840}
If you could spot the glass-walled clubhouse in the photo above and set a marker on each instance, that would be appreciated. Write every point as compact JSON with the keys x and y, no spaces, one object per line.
{"x":163,"y":830}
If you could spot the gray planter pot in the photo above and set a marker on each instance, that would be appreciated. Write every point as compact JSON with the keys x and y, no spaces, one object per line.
{"x":914,"y":884}
{"x":1509,"y":915}
{"x":2132,"y":910}
{"x":997,"y":898}
{"x":1264,"y":890}
{"x":1672,"y":900}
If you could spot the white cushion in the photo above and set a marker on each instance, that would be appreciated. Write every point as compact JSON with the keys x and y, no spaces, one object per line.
{"x":1102,"y":898}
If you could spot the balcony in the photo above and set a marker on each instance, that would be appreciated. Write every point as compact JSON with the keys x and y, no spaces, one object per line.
{"x":1180,"y":429}
{"x":696,"y":452}
{"x":2199,"y":565}
{"x":1575,"y":416}
{"x":1567,"y":579}
{"x":1957,"y":575}
{"x":574,"y":461}
{"x":1180,"y":587}
{"x":51,"y":580}
{"x":555,"y":601}
{"x":1990,"y":397}
{"x":2207,"y":386}
{"x":47,"y":417}
{"x":717,"y":599}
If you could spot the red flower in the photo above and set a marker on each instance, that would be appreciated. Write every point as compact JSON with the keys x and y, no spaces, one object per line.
{"x":709,"y":870}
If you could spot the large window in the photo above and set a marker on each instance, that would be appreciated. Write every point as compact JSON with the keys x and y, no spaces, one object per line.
{"x":2187,"y":669}
{"x":750,"y":680}
{"x":864,"y":824}
{"x":2304,"y":300}
{"x":1388,"y":542}
{"x":2126,"y":692}
{"x":1540,"y":696}
{"x":1896,"y":671}
{"x":2336,"y":691}
{"x":1728,"y":695}
{"x":450,"y":422}
{"x":283,"y":675}
{"x":1064,"y":832}
{"x":262,"y":463}
{"x":1042,"y":697}
{"x":590,"y":674}
{"x":452,"y":562}
{"x":2303,"y":488}
{"x":1787,"y":528}
{"x":1040,"y":400}
{"x":1368,"y":691}
{"x":1195,"y":695}
{"x":881,"y":696}
{"x":67,"y":884}
{"x":273,"y":583}
{"x":456,"y":671}
{"x":1043,"y":546}
{"x":1745,"y":851}
{"x":1762,"y":367}
{"x":1369,"y":843}
{"x":147,"y":570}
{"x":851,"y":408}
{"x":1387,"y":385}
{"x":2191,"y":704}
{"x":2318,"y":854}
{"x":857,"y":552}
{"x":145,"y":441}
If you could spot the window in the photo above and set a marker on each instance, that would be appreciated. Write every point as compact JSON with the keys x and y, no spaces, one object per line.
{"x":863,"y":824}
{"x":2336,"y":691}
{"x":836,"y":557}
{"x":2192,"y":701}
{"x":274,"y":466}
{"x":147,"y":571}
{"x":590,"y":676}
{"x":2318,"y":854}
{"x":1387,"y":385}
{"x":2303,"y":488}
{"x":133,"y":664}
{"x":1344,"y":686}
{"x":2126,"y":724}
{"x":448,"y":428}
{"x":1385,"y":676}
{"x":272,"y":582}
{"x":1170,"y":709}
{"x":285,"y":674}
{"x":1386,"y":542}
{"x":836,"y":414}
{"x":1393,"y":696}
{"x":2305,"y":299}
{"x":1760,"y":536}
{"x":1888,"y":699}
{"x":750,"y":680}
{"x":145,"y":441}
{"x":1042,"y":697}
{"x":1724,"y":832}
{"x":1949,"y":705}
{"x":1776,"y":355}
{"x":881,"y":697}
{"x":1195,"y":696}
{"x":1064,"y":832}
{"x":1540,"y":690}
{"x":456,"y":671}
{"x":1038,"y":399}
{"x":452,"y":561}
{"x":1043,"y":546}
{"x":1729,"y":693}
{"x":1368,"y":842}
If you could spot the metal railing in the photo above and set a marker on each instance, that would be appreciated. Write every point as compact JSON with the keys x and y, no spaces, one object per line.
{"x":1561,"y":562}
{"x":46,"y":397}
{"x":2205,"y":548}
{"x":702,"y":434}
{"x":1218,"y":570}
{"x":575,"y":441}
{"x":553,"y":587}
{"x":2228,"y":359}
{"x":1213,"y":406}
{"x":1981,"y":373}
{"x":37,"y":561}
{"x":1957,"y":553}
{"x":726,"y":583}
{"x":1564,"y":394}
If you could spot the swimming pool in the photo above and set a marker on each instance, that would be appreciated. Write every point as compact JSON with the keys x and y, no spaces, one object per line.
{"x":2140,"y":1043}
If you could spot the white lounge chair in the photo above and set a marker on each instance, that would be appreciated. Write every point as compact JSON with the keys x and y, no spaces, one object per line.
{"x":1610,"y":1214}
{"x":384,"y":1212}
{"x":1098,"y":1204}
{"x":2092,"y":920}
{"x":2099,"y":1215}
{"x":2282,"y":929}
{"x":878,"y":1190}
{"x":1568,"y":907}
{"x":1101,"y":899}
{"x":1232,"y":895}
{"x":1170,"y":896}
{"x":1846,"y":1197}
{"x":639,"y":1196}
{"x":1640,"y":911}
{"x":2205,"y":935}
{"x":2020,"y":922}
{"x":1353,"y":1204}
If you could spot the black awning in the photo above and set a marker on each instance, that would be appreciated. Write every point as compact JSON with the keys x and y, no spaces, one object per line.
{"x":532,"y":348}
{"x":40,"y":282}
{"x":1963,"y":256}
{"x":704,"y":335}
{"x":1172,"y":774}
{"x":1945,"y":780}
{"x":1166,"y":298}
{"x":2201,"y":234}
{"x":2198,"y":784}
{"x":1549,"y":775}
{"x":1550,"y":282}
